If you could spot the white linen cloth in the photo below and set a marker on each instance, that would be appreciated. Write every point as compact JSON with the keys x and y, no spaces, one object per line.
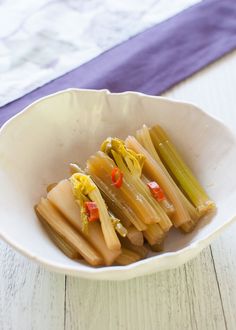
{"x":41,"y":40}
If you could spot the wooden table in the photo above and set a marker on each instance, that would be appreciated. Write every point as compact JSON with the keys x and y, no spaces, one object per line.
{"x":199,"y":295}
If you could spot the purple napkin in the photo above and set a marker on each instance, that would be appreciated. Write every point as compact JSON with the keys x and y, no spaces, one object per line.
{"x":154,"y":60}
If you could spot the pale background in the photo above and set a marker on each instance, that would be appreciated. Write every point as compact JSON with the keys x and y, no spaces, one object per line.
{"x":199,"y":295}
{"x":41,"y":40}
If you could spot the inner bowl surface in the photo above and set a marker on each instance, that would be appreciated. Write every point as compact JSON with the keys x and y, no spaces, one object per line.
{"x":37,"y":145}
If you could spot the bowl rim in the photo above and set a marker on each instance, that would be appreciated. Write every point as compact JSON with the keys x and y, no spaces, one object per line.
{"x":192,"y":249}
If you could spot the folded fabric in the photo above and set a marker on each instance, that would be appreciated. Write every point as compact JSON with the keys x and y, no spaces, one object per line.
{"x":154,"y":60}
{"x":33,"y":51}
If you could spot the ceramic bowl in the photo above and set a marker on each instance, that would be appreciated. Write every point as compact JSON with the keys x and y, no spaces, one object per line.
{"x":37,"y":144}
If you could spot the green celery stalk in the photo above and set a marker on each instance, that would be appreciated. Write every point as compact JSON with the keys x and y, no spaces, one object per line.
{"x":144,"y":138}
{"x":180,"y":170}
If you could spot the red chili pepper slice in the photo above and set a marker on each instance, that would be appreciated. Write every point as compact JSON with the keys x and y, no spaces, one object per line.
{"x":92,"y":211}
{"x":117,"y":177}
{"x":156,"y":191}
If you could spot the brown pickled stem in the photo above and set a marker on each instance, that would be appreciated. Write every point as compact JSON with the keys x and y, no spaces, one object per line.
{"x":116,"y":205}
{"x":62,"y":228}
{"x":108,"y":229}
{"x":104,"y":167}
{"x":63,"y":245}
{"x":141,"y":250}
{"x":154,"y":234}
{"x":127,"y":257}
{"x":161,"y":217}
{"x":135,"y":236}
{"x":63,"y":199}
{"x":51,"y":186}
{"x":144,"y":138}
{"x":157,"y":247}
{"x":154,"y":171}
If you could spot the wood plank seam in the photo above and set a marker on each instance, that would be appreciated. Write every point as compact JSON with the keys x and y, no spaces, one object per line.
{"x":65,"y":302}
{"x":218,"y":285}
{"x":201,"y":317}
{"x":192,"y":319}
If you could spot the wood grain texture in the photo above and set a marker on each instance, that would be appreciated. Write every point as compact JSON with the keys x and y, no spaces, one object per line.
{"x":224,"y":254}
{"x":168,"y":300}
{"x":31,"y":298}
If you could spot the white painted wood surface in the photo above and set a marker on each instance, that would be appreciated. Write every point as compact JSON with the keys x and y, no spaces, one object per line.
{"x":199,"y":295}
{"x":30,"y":297}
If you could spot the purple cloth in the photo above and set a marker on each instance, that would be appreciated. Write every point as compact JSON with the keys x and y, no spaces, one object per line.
{"x":154,"y":60}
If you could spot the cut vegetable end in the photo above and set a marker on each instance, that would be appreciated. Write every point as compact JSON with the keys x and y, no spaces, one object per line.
{"x":154,"y":234}
{"x":74,"y":168}
{"x":140,"y":250}
{"x":127,"y":257}
{"x":135,"y":236}
{"x":144,"y":138}
{"x":207,"y":207}
{"x":65,"y":247}
{"x":167,"y":207}
{"x":188,"y":227}
{"x":157,"y":247}
{"x":60,"y":225}
{"x":51,"y":186}
{"x":121,"y":230}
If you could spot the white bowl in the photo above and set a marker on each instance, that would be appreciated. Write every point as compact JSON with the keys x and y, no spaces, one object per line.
{"x":37,"y":145}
